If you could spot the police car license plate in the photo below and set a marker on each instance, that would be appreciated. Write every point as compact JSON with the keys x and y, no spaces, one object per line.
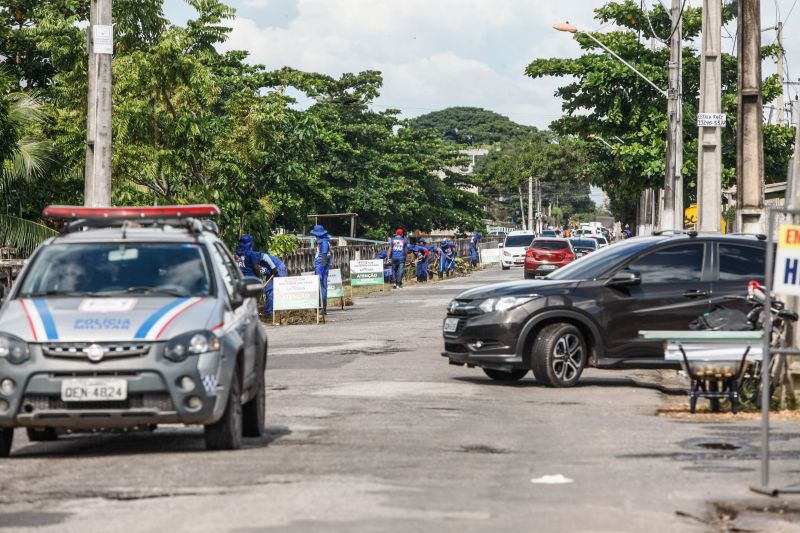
{"x":450,"y":325}
{"x":94,"y":390}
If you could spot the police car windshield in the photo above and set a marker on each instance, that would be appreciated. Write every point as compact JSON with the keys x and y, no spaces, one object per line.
{"x":109,"y":269}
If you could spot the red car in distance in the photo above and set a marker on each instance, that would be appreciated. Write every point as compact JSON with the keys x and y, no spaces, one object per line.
{"x":546,"y":255}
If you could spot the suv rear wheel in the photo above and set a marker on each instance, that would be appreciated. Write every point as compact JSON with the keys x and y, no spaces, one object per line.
{"x":559,"y":355}
{"x":226,"y":433}
{"x":506,"y":375}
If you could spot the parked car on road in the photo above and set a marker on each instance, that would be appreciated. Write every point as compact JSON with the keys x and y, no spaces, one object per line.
{"x":583,"y":246}
{"x":119,"y":326}
{"x":514,"y":247}
{"x":590,"y":312}
{"x":602,"y":242}
{"x":546,"y":255}
{"x":549,"y":233}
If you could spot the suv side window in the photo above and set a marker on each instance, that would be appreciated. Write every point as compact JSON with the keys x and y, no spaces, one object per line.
{"x":674,"y":264}
{"x":230,"y":272}
{"x":741,"y":263}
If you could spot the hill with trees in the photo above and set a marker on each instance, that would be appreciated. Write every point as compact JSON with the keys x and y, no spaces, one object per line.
{"x":472,"y":126}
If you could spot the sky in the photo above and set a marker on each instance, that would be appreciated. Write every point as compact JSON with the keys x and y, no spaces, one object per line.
{"x":440,"y":53}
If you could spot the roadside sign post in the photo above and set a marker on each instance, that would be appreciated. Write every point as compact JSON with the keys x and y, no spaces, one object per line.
{"x":366,"y":272}
{"x":296,"y":292}
{"x":335,"y":285}
{"x":781,"y":274}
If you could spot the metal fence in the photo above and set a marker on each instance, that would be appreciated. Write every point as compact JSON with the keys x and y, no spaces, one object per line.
{"x":303,"y":260}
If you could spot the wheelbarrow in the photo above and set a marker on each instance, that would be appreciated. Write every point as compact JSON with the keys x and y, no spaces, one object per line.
{"x":715,"y":361}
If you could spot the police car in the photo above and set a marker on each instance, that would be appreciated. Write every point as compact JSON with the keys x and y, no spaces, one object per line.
{"x":131,"y":318}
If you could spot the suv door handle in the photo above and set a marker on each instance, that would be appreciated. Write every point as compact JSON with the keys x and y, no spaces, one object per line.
{"x":694,"y":293}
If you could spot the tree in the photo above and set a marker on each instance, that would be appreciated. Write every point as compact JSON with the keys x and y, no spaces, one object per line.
{"x":607,"y":100}
{"x":25,"y":161}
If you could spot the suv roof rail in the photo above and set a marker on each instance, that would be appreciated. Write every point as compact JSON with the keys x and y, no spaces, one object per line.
{"x":690,"y":233}
{"x":759,"y":236}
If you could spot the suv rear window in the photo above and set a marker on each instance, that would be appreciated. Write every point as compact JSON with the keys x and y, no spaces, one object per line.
{"x":146,"y":269}
{"x":549,"y":245}
{"x":516,"y":241}
{"x":741,"y":263}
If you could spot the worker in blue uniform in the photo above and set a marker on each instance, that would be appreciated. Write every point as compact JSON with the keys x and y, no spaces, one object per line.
{"x":398,"y":250}
{"x":421,"y":258}
{"x":322,"y":261}
{"x":473,"y":247}
{"x":247,"y":258}
{"x":271,"y":268}
{"x":447,"y":262}
{"x":387,"y":266}
{"x":433,"y":258}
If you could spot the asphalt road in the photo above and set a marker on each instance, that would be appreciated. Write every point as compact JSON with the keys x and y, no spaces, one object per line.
{"x":369,"y":429}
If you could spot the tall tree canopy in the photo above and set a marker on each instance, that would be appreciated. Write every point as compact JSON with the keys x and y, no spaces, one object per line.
{"x":193,"y":124}
{"x":603,"y":99}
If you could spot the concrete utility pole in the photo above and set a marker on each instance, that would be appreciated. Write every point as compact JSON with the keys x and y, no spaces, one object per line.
{"x":97,"y":189}
{"x":530,"y":204}
{"x":749,"y":138}
{"x":672,"y":215}
{"x":779,"y":68}
{"x":709,"y":151}
{"x":521,"y":207}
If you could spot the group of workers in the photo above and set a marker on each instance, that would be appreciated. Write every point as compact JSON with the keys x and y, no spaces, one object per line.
{"x":264,"y":265}
{"x":444,"y":256}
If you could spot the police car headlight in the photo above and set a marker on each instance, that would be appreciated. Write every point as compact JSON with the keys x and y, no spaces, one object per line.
{"x":192,"y":343}
{"x":13,"y":349}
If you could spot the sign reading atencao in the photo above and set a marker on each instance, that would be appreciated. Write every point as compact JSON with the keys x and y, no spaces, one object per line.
{"x":366,"y":272}
{"x":787,"y":261}
{"x":296,"y":292}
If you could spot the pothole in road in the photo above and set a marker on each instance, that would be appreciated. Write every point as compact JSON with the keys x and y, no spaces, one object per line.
{"x":718,"y":446}
{"x":482,"y":448}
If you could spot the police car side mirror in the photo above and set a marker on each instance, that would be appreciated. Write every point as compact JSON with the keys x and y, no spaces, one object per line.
{"x":250,"y":287}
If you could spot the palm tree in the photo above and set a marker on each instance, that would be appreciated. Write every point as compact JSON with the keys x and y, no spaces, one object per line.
{"x":30,"y":157}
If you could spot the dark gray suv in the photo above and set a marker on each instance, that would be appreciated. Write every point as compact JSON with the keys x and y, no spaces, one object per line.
{"x":590,"y":312}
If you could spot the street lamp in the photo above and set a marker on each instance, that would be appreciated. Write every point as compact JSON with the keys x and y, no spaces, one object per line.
{"x":672,"y":212}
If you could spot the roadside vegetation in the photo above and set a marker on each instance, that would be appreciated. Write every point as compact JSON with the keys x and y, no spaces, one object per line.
{"x":193,"y":124}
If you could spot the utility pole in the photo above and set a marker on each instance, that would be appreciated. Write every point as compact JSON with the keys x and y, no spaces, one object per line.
{"x":530,"y":203}
{"x":749,"y":139}
{"x":779,"y":68}
{"x":709,"y":151}
{"x":672,"y":215}
{"x":97,"y":191}
{"x":521,"y":206}
{"x":538,"y":207}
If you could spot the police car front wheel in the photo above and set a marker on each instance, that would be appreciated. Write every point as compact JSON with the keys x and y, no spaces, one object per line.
{"x":6,"y":439}
{"x":226,"y":433}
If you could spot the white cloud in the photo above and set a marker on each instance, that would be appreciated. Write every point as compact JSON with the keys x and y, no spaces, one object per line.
{"x":433,"y":53}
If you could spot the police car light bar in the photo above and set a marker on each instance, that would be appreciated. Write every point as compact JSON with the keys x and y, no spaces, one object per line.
{"x":71,"y":212}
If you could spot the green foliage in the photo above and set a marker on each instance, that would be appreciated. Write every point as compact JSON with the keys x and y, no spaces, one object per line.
{"x":22,"y":234}
{"x":192,"y":124}
{"x":607,"y":100}
{"x":472,"y":126}
{"x":283,"y":245}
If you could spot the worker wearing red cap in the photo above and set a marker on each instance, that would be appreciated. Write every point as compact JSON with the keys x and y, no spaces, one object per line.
{"x":398,"y":249}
